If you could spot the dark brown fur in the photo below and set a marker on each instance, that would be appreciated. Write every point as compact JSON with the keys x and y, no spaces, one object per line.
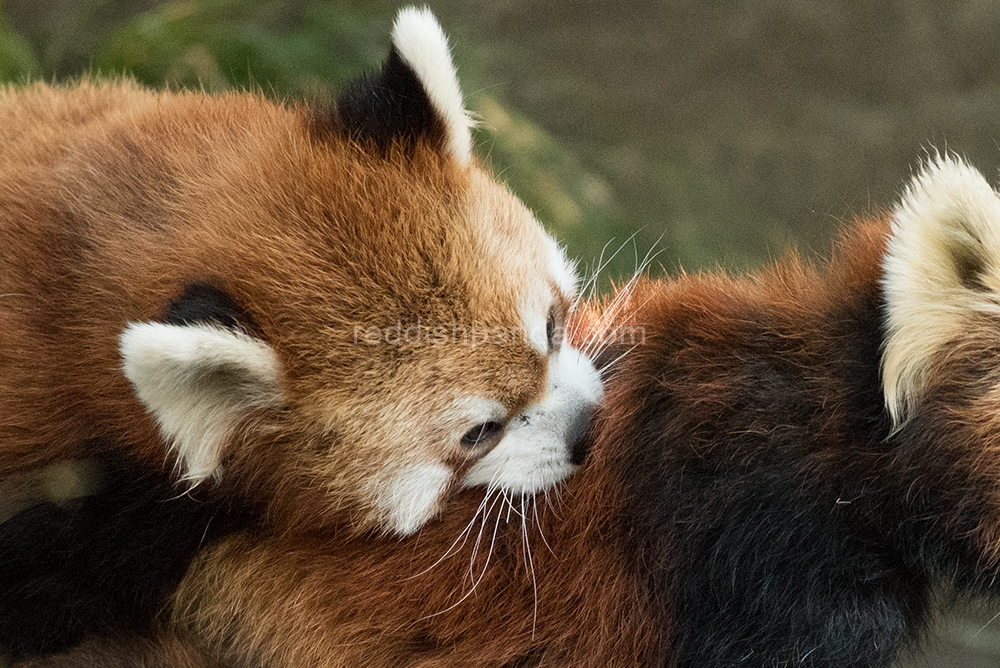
{"x":761,"y":392}
{"x":100,"y":174}
{"x":165,"y":651}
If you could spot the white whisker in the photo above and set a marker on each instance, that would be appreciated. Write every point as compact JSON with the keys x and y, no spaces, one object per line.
{"x":510,"y":505}
{"x":590,"y":285}
{"x":463,"y":537}
{"x":538,"y":524}
{"x":607,"y":366}
{"x":475,"y":581}
{"x":531,"y":567}
{"x":479,"y":538}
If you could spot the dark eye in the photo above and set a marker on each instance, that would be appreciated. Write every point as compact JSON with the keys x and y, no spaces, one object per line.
{"x":551,"y":332}
{"x":482,"y":434}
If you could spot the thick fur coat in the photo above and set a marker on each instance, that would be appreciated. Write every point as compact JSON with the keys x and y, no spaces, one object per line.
{"x":787,"y":466}
{"x":311,"y":316}
{"x":749,"y":497}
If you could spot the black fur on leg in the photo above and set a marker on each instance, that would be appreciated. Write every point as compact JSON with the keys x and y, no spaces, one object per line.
{"x":101,"y":562}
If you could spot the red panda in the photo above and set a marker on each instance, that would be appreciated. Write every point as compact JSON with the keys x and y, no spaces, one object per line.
{"x":786,"y":468}
{"x":331,"y":317}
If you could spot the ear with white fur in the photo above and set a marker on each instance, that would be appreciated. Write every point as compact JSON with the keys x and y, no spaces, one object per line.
{"x":198,"y":381}
{"x":942,"y":265}
{"x":415,"y":95}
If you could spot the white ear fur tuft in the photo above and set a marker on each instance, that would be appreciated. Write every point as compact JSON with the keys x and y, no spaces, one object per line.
{"x":198,"y":381}
{"x":561,"y":268}
{"x":942,"y":265}
{"x":423,"y":46}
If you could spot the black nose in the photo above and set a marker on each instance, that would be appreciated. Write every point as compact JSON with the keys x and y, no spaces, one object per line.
{"x":579,"y":438}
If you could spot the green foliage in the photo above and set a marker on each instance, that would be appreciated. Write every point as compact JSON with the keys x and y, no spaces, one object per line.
{"x":17,"y":60}
{"x":289,"y":50}
{"x":575,"y":204}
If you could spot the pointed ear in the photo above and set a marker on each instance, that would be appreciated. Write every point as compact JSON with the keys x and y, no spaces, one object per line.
{"x":415,"y":95}
{"x":942,"y":266}
{"x":198,"y":381}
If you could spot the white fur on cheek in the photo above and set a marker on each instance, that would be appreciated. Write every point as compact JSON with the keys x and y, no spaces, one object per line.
{"x":536,"y":451}
{"x":423,"y":46}
{"x":946,"y":227}
{"x":561,"y":269}
{"x":414,"y":496}
{"x":536,"y":302}
{"x":198,"y":381}
{"x":534,"y":324}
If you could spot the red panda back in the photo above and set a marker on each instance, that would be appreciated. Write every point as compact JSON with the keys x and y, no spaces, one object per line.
{"x":747,"y":500}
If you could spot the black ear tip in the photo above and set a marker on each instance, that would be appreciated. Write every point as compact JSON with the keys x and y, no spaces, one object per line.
{"x":415,"y":97}
{"x":204,"y":303}
{"x":389,"y":106}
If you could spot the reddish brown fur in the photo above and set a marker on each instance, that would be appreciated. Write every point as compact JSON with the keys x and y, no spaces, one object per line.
{"x":603,"y":587}
{"x":115,"y":197}
{"x":191,"y":282}
{"x":746,"y":501}
{"x":166,"y":651}
{"x":307,"y":600}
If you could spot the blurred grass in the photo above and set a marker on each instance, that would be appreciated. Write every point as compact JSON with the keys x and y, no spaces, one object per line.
{"x":719,"y":132}
{"x":967,"y":636}
{"x":303,"y":49}
{"x":17,"y":60}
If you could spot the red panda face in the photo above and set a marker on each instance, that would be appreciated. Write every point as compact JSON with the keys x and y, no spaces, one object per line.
{"x":403,"y":318}
{"x":326,"y":318}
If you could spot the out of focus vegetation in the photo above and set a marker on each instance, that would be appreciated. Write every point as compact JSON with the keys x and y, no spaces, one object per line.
{"x":299,"y":49}
{"x":717,"y":131}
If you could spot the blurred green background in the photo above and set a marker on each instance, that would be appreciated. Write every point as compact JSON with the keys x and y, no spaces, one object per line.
{"x":716,"y":132}
{"x":712,"y":132}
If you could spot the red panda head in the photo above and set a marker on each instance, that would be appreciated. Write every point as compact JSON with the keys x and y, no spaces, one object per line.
{"x":357,"y":316}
